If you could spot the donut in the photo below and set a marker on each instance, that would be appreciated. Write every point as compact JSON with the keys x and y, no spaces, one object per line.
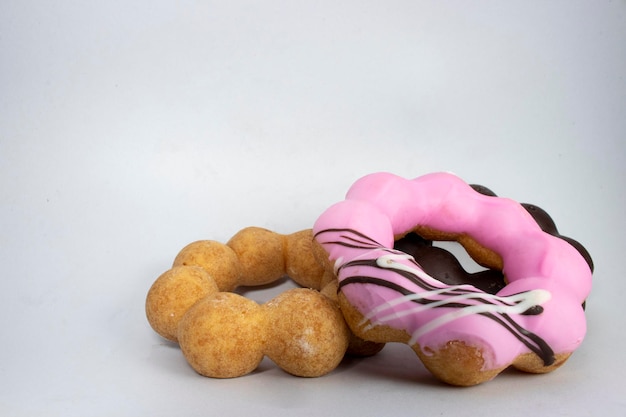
{"x":464,"y":335}
{"x":223,"y":334}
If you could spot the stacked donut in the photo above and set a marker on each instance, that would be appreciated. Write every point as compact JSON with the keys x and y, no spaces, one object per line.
{"x":463,"y":334}
{"x":370,"y":275}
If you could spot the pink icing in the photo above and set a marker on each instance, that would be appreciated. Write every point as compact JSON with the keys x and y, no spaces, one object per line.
{"x":541,"y":270}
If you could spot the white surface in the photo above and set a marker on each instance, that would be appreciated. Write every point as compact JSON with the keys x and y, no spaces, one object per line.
{"x":129,"y":129}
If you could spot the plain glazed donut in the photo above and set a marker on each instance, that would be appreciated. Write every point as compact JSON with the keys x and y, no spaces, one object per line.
{"x":462,"y":334}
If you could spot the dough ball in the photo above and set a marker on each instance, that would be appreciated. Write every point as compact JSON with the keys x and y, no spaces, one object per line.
{"x":172,"y":294}
{"x":216,"y":258}
{"x":222,"y":335}
{"x":309,"y":336}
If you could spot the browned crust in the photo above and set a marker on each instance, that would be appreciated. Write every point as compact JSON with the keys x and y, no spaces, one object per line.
{"x":456,"y":363}
{"x":379,"y":334}
{"x":529,"y":362}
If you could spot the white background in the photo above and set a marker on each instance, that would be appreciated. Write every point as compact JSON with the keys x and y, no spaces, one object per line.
{"x":129,"y":129}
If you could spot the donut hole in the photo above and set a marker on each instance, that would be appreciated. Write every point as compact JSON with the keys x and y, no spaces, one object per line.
{"x":263,"y":293}
{"x":449,"y":262}
{"x":461,"y":255}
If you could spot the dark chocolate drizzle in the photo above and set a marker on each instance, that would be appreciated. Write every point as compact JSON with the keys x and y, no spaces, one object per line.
{"x":534,"y":343}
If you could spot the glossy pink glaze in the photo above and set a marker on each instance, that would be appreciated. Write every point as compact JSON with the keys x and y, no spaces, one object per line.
{"x":547,"y":270}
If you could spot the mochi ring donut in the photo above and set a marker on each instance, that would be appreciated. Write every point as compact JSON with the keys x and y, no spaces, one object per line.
{"x":463,"y":335}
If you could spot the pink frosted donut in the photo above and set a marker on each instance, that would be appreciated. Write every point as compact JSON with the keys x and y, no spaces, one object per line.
{"x":463,"y":335}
